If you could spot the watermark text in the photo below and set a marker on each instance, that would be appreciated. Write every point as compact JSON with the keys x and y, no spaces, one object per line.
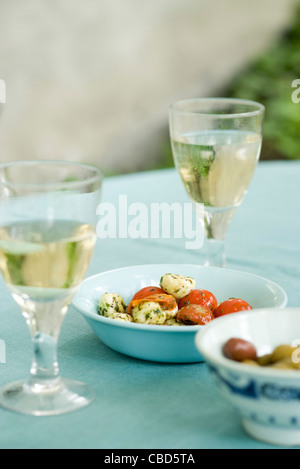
{"x":155,"y":221}
{"x":296,"y":93}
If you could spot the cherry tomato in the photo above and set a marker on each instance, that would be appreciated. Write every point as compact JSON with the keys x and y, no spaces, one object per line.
{"x":195,"y":314}
{"x":199,"y":297}
{"x":233,"y":305}
{"x":147,"y":291}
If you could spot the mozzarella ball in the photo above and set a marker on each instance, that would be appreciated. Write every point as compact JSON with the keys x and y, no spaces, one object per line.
{"x":121,"y":316}
{"x":110,"y":304}
{"x":177,"y":285}
{"x":173,"y":322}
{"x":149,"y":312}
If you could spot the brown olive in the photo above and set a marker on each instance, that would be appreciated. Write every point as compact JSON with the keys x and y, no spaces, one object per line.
{"x":239,"y":350}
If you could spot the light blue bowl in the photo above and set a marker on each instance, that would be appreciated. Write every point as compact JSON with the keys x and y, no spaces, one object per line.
{"x":171,"y":344}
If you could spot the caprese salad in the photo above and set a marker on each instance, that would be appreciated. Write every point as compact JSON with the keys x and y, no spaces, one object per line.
{"x":175,"y":302}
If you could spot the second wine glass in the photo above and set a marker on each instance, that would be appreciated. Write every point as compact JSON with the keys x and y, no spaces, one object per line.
{"x":216,"y":143}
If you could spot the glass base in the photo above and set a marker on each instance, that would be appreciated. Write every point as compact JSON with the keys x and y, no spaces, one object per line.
{"x":68,"y":396}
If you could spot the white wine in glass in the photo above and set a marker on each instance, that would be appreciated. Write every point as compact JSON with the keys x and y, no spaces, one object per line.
{"x":216,"y":144}
{"x":47,"y":237}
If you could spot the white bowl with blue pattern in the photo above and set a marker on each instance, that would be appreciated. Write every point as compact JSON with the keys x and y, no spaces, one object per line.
{"x":169,"y":344}
{"x":267,"y":399}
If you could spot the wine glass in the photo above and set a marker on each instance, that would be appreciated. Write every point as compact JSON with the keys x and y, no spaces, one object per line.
{"x":216,"y":143}
{"x":47,"y":236}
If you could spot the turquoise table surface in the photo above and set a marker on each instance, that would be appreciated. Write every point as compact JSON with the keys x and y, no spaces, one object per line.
{"x":151,"y":405}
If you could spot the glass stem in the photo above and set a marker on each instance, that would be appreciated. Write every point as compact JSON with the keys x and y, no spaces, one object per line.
{"x":215,"y":227}
{"x":44,"y":372}
{"x":215,"y":252}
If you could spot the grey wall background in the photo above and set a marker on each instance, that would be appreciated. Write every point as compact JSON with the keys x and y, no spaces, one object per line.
{"x":92,"y":80}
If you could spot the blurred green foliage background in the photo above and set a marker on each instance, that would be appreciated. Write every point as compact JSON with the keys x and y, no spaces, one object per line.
{"x":269,"y":81}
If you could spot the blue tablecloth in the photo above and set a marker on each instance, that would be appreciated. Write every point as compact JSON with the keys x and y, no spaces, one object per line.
{"x":151,"y":405}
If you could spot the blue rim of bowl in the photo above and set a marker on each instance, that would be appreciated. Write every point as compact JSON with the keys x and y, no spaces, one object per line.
{"x":168,"y":329}
{"x":237,"y":367}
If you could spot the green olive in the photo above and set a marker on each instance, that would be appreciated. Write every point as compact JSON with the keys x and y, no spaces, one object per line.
{"x":281,"y":352}
{"x":264,"y":360}
{"x":250,"y":362}
{"x":284,"y":364}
